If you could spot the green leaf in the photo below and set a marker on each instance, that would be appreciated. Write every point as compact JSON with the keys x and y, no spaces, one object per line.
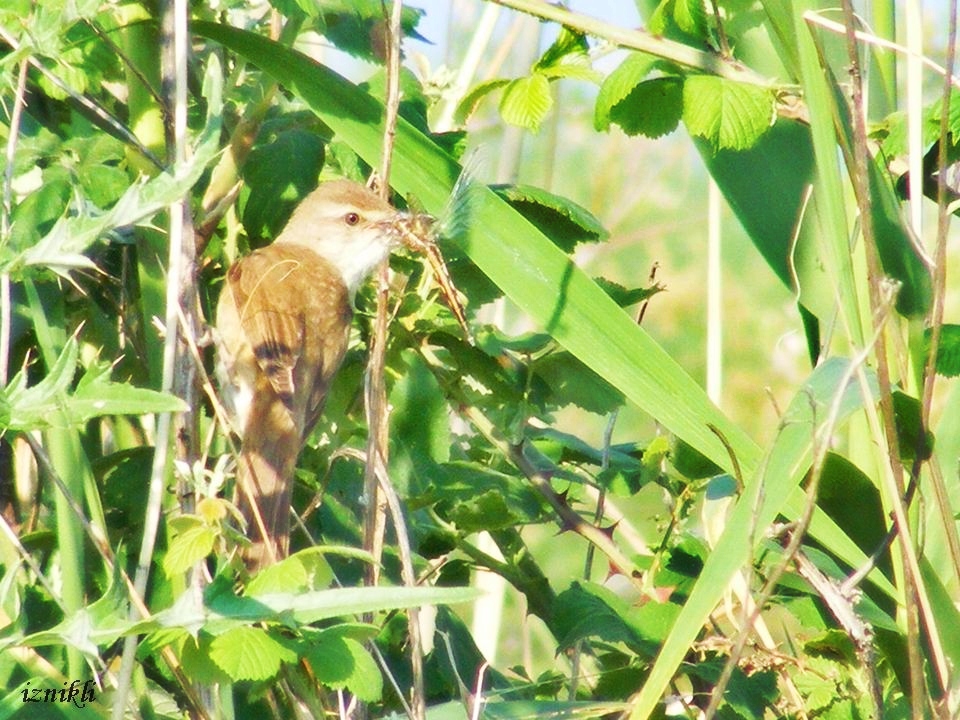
{"x":587,"y":610}
{"x":471,"y":100}
{"x":691,"y":17}
{"x":625,"y":297}
{"x":188,"y":548}
{"x":96,"y":395}
{"x":894,"y":239}
{"x":567,"y":58}
{"x":726,"y":113}
{"x":308,"y":607}
{"x":357,"y":26}
{"x":653,"y":108}
{"x":618,"y":85}
{"x":779,"y":165}
{"x":278,"y":174}
{"x":948,"y":350}
{"x":691,"y":463}
{"x":49,"y":403}
{"x":421,"y":418}
{"x":567,"y":448}
{"x":61,"y":249}
{"x":573,"y":383}
{"x":474,"y":497}
{"x":195,"y":656}
{"x":771,"y":491}
{"x":817,"y":682}
{"x":682,"y":20}
{"x":526,"y":101}
{"x":554,"y":710}
{"x":850,"y":497}
{"x":571,"y":71}
{"x":248,"y":653}
{"x":912,"y":438}
{"x":562,"y":220}
{"x":749,"y":696}
{"x":569,"y":44}
{"x":340,"y":661}
{"x":288,"y":575}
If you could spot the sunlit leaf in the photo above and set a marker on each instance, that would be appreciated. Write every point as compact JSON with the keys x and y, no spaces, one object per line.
{"x":948,"y":350}
{"x":188,"y":548}
{"x":526,"y":101}
{"x":653,"y":108}
{"x":248,"y":653}
{"x":727,"y":114}
{"x":619,"y":84}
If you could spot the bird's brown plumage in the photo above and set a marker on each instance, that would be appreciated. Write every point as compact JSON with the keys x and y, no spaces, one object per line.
{"x":283,"y":323}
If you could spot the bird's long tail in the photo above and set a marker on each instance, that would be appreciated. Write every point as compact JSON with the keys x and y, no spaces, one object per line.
{"x":268,"y":457}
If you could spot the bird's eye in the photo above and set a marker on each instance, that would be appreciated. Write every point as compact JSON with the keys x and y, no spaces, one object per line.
{"x":351,"y":218}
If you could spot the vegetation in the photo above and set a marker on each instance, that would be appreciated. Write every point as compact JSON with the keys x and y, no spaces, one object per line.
{"x":811,"y":572}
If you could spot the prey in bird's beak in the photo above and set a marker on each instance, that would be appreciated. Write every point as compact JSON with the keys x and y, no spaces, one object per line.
{"x":417,"y":232}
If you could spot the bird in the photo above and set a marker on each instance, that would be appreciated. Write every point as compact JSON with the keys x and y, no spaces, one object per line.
{"x":282,"y":328}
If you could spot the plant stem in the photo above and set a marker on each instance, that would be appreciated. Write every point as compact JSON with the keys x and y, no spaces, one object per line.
{"x":641,"y":40}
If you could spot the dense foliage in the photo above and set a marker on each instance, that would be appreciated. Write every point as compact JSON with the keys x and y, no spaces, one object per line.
{"x":814,"y":575}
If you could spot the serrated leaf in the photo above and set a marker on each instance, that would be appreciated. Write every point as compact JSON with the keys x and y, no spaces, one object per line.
{"x":288,"y":575}
{"x":653,"y":108}
{"x":618,"y":86}
{"x":474,"y":497}
{"x":471,"y":100}
{"x":573,"y":383}
{"x":562,"y":220}
{"x":660,"y":19}
{"x":691,"y":17}
{"x":188,"y":548}
{"x":571,"y":71}
{"x":248,"y":653}
{"x":569,"y":43}
{"x":526,"y":101}
{"x":197,"y":663}
{"x":97,"y":395}
{"x":726,"y":113}
{"x":948,"y":350}
{"x":341,"y":662}
{"x":50,"y":404}
{"x":61,"y":250}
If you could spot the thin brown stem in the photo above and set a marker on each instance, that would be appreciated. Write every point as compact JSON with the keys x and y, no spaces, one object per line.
{"x":859,"y":160}
{"x":568,"y":519}
{"x":381,"y":493}
{"x":939,"y":295}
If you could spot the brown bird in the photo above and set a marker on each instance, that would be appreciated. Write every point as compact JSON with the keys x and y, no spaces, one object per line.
{"x":283,"y":322}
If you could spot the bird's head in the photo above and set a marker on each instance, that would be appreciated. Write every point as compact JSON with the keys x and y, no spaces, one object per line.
{"x":349,"y":225}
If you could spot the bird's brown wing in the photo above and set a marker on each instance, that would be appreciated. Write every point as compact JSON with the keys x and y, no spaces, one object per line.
{"x":293,"y":313}
{"x":274,"y":327}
